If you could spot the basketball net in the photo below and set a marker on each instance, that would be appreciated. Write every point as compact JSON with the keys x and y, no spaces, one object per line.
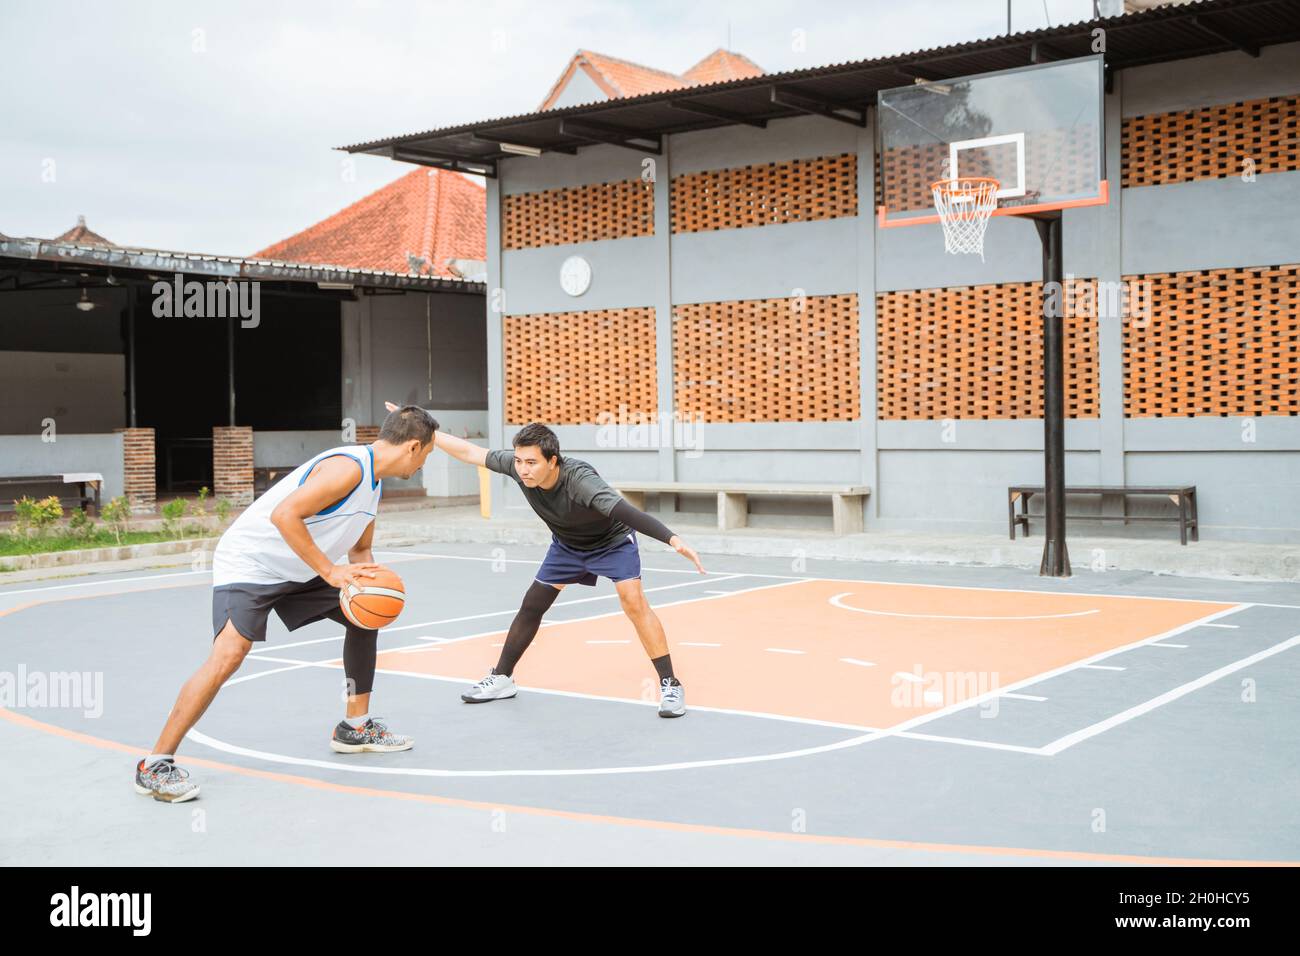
{"x":964,"y":207}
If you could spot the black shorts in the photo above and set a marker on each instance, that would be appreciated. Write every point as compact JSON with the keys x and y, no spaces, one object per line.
{"x":297,"y":603}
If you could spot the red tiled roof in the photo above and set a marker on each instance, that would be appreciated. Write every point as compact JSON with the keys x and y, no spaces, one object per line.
{"x":82,"y":236}
{"x":620,"y":78}
{"x":722,"y":65}
{"x":430,"y":213}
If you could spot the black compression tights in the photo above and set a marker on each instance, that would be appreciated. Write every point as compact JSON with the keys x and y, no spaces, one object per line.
{"x":537,"y":601}
{"x":359,"y":658}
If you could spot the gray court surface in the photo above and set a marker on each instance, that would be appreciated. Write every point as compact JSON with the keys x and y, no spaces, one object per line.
{"x":1197,"y":757}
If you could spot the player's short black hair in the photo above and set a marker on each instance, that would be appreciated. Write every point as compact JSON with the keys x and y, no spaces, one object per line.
{"x":409,"y":421}
{"x":541,"y":436}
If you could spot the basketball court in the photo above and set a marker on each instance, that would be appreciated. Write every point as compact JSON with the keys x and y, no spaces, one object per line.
{"x":842,"y":712}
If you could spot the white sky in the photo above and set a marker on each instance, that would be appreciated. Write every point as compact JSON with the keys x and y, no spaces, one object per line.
{"x":230,"y":148}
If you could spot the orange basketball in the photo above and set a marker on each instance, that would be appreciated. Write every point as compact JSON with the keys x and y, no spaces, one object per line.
{"x":375,"y":602}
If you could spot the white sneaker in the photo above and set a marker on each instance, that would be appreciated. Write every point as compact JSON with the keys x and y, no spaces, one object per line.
{"x":493,"y":687}
{"x":672,"y":702}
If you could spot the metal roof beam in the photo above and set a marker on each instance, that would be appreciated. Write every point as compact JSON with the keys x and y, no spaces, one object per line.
{"x":1245,"y":46}
{"x":456,"y":164}
{"x":613,"y":135}
{"x":820,"y":105}
{"x":717,"y":113}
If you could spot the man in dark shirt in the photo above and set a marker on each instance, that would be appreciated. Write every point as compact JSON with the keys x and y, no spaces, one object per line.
{"x":593,"y":535}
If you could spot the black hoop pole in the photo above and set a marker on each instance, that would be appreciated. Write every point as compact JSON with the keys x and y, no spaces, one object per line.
{"x":1056,"y":557}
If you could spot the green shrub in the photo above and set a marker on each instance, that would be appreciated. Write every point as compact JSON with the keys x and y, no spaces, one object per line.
{"x":117,"y":515}
{"x":81,"y":525}
{"x":172,"y":513}
{"x":34,"y":518}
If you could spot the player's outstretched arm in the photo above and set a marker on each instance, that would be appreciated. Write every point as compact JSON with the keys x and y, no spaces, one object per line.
{"x":458,"y":448}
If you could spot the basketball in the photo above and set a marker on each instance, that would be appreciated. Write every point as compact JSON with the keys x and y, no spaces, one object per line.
{"x":375,"y":602}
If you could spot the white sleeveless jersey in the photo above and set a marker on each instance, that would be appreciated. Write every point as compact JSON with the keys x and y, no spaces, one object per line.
{"x":252,"y":550}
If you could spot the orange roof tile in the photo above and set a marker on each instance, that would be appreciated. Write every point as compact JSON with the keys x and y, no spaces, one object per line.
{"x":432,"y":214}
{"x":82,"y":236}
{"x":621,"y":78}
{"x":722,"y":65}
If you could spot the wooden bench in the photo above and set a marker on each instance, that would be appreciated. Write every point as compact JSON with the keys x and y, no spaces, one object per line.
{"x":1184,"y":496}
{"x":83,"y":480}
{"x":733,"y":499}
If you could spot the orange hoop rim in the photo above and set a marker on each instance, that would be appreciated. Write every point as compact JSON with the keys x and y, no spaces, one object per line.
{"x":964,"y":184}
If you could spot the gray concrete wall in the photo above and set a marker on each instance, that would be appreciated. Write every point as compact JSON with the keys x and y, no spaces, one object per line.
{"x":29,"y":455}
{"x":80,"y":391}
{"x":923,"y":475}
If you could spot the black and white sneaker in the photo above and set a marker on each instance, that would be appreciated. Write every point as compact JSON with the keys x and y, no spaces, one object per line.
{"x":164,"y":781}
{"x":493,"y":687}
{"x":373,"y":736}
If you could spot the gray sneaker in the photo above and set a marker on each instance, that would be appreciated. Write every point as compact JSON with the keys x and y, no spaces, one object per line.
{"x":493,"y":687}
{"x":373,"y":736}
{"x":164,"y":781}
{"x":672,"y":703}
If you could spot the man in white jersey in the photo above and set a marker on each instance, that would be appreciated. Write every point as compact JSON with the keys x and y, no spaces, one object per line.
{"x":282,"y":554}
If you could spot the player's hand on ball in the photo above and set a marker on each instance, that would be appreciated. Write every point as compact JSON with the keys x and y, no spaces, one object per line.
{"x":343,"y":574}
{"x":686,"y":551}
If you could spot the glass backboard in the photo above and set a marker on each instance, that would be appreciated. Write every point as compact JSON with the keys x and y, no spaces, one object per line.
{"x":1037,"y":130}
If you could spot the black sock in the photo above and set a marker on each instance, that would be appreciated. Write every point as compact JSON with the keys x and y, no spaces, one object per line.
{"x":537,"y":600}
{"x":664,"y":667}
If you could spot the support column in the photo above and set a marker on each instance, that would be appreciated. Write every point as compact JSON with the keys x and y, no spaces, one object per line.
{"x":139,"y":469}
{"x":232,"y":463}
{"x":1056,"y":558}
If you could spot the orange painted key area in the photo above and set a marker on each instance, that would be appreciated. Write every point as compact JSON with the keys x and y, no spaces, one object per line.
{"x":791,"y":649}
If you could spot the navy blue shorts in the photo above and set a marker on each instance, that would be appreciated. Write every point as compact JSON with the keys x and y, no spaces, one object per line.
{"x":565,"y":565}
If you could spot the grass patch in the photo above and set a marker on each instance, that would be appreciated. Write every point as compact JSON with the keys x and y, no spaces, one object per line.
{"x":12,"y":544}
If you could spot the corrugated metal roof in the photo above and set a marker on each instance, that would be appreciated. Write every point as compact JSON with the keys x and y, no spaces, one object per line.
{"x":1157,"y":35}
{"x":224,"y":267}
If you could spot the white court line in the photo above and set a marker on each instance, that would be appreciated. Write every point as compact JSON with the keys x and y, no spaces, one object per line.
{"x":782,"y":650}
{"x":1103,"y":667}
{"x":837,"y":601}
{"x":904,"y":675}
{"x":1024,"y":697}
{"x":868,"y":736}
{"x":87,"y":584}
{"x":1069,"y":740}
{"x":854,"y":660}
{"x":465,"y":681}
{"x":1181,"y":647}
{"x":485,"y":614}
{"x":1233,"y":627}
{"x":968,"y":742}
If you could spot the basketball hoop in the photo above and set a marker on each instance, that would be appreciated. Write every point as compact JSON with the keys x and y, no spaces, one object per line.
{"x":964,"y":207}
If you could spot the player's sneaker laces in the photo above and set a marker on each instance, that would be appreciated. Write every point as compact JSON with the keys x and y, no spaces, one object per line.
{"x":672,"y":702}
{"x":373,"y":736}
{"x":164,"y":781}
{"x":493,"y":687}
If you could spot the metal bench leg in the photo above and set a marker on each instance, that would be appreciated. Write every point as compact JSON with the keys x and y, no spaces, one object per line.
{"x":733,"y":510}
{"x":1011,"y":515}
{"x":1196,"y":518}
{"x":1182,"y":519}
{"x":1024,"y":511}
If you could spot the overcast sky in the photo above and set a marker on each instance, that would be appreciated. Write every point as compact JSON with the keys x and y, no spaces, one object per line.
{"x":210,"y":127}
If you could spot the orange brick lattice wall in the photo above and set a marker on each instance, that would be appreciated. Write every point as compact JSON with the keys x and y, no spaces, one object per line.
{"x":1212,"y":142}
{"x":1218,"y":342}
{"x":566,"y":368}
{"x":764,"y":360}
{"x":800,"y":190}
{"x":977,"y":353}
{"x":579,"y":214}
